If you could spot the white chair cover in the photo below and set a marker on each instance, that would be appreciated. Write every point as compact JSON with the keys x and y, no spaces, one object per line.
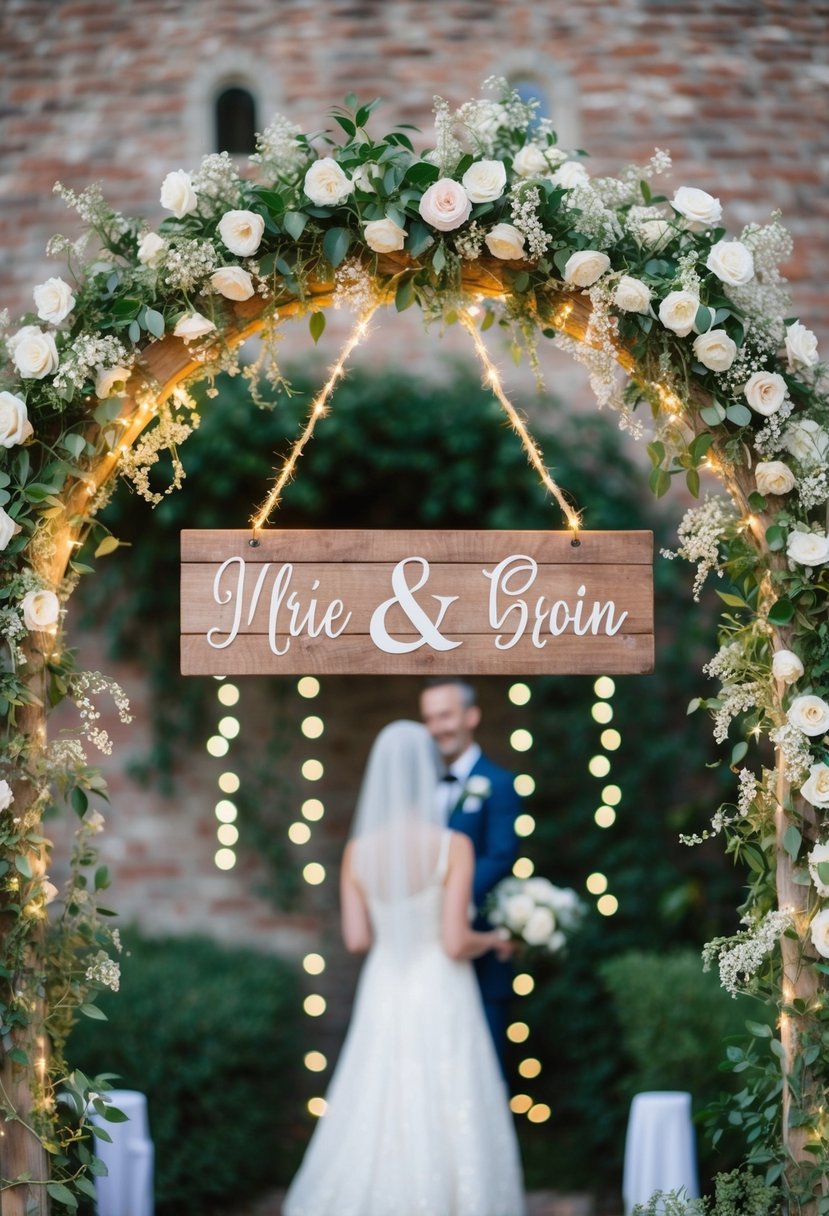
{"x":660,"y":1152}
{"x":127,"y":1190}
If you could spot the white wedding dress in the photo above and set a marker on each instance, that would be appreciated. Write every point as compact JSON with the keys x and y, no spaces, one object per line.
{"x":417,"y":1122}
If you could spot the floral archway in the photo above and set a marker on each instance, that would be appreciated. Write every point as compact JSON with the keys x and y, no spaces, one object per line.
{"x":685,"y":334}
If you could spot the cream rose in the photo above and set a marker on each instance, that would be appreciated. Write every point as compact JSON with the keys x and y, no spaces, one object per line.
{"x":53,"y":300}
{"x":177,"y":194}
{"x":801,"y":346}
{"x":678,"y":312}
{"x":586,"y":267}
{"x":111,"y":382}
{"x":484,"y":181}
{"x":732,"y":262}
{"x":701,"y":210}
{"x":193,"y":325}
{"x":151,"y":249}
{"x":8,"y":529}
{"x":15,"y":427}
{"x":445,"y":205}
{"x":41,"y":609}
{"x":809,"y":714}
{"x":655,"y":234}
{"x":325,"y":183}
{"x":539,"y":927}
{"x":765,"y":392}
{"x":786,"y":666}
{"x":715,"y":350}
{"x":808,"y":548}
{"x":569,"y":175}
{"x":819,"y":856}
{"x":506,"y":242}
{"x":632,"y":295}
{"x":363,"y":178}
{"x":6,"y":796}
{"x":232,"y":282}
{"x":819,"y":931}
{"x":535,"y":161}
{"x":807,"y":442}
{"x":49,"y":891}
{"x":241,"y":232}
{"x":384,"y":236}
{"x":517,"y":910}
{"x":774,"y":477}
{"x":33,"y":353}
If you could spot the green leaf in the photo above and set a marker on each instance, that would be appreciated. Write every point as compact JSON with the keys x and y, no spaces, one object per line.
{"x":62,"y":1194}
{"x":756,"y":501}
{"x":792,"y":841}
{"x":702,"y":322}
{"x":823,"y":871}
{"x":346,"y":124}
{"x":19,"y":1056}
{"x":405,"y":295}
{"x":694,"y":705}
{"x":113,"y":1115}
{"x":154,"y":322}
{"x":659,"y":482}
{"x":108,"y":545}
{"x":102,"y":879}
{"x":692,"y":481}
{"x":488,"y":321}
{"x":22,"y":866}
{"x":273,"y":201}
{"x":294,"y":223}
{"x":79,"y":800}
{"x":419,"y":239}
{"x":759,"y":1029}
{"x":316,"y":325}
{"x":335,"y":245}
{"x":88,"y":1188}
{"x":781,"y":612}
{"x":439,"y":257}
{"x":92,"y":1011}
{"x":656,"y":451}
{"x":733,"y":601}
{"x":74,"y":444}
{"x":775,"y":538}
{"x":740,"y":415}
{"x":701,"y":445}
{"x":738,"y":751}
{"x":712,"y":414}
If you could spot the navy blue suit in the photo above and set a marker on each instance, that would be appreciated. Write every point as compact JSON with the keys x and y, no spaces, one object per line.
{"x":491,"y":828}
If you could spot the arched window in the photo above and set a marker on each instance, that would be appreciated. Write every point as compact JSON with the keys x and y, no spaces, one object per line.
{"x":235,"y":121}
{"x":530,"y":90}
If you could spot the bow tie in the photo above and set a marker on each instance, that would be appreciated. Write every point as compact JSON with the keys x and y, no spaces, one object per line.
{"x":449,"y":777}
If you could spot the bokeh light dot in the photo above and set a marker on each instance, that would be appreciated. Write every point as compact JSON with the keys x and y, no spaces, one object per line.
{"x":313,"y":809}
{"x":523,"y":868}
{"x":229,"y":783}
{"x":523,"y":984}
{"x":519,"y":1104}
{"x":612,"y":795}
{"x":596,"y":883}
{"x":599,"y":766}
{"x":225,"y":859}
{"x":519,"y":694}
{"x":229,"y":727}
{"x":604,"y":687}
{"x":539,"y":1113}
{"x":217,"y":746}
{"x":529,"y":1068}
{"x":314,"y":1005}
{"x":312,"y":726}
{"x":521,"y":740}
{"x":524,"y":825}
{"x":524,"y":785}
{"x":518,"y":1032}
{"x":315,"y":1061}
{"x":610,"y":740}
{"x":608,"y":905}
{"x":299,"y":833}
{"x":605,"y":817}
{"x":227,"y":834}
{"x":308,"y":686}
{"x":313,"y":873}
{"x":317,"y":1107}
{"x":602,"y":713}
{"x":228,"y":694}
{"x":312,"y":770}
{"x":313,"y":964}
{"x":226,"y":811}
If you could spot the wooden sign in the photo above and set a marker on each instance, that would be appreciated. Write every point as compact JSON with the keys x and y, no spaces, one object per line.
{"x":415,"y":603}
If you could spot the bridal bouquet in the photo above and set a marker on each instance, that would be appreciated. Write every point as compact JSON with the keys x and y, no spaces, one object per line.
{"x":535,"y":912}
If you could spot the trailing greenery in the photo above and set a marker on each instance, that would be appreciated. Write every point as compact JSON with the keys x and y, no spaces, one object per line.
{"x":739,"y":1193}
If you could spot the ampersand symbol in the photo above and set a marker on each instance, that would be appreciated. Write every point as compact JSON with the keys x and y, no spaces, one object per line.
{"x":404,"y":596}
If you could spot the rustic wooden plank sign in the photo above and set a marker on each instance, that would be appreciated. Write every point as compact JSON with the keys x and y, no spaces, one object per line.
{"x":344,"y":601}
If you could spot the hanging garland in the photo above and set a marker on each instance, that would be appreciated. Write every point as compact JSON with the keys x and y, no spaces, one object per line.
{"x":686,"y":335}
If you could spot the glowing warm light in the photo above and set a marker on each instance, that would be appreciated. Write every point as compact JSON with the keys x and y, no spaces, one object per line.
{"x":596,"y":883}
{"x":539,"y":1113}
{"x":308,"y":687}
{"x":229,"y":783}
{"x":519,"y":1104}
{"x":523,"y":868}
{"x":524,"y":785}
{"x":604,"y":687}
{"x":315,"y":1061}
{"x":217,"y":746}
{"x":612,"y":795}
{"x":519,"y":694}
{"x":610,"y":740}
{"x":226,"y":811}
{"x":602,"y":713}
{"x":521,"y":740}
{"x":529,"y":1068}
{"x":599,"y":766}
{"x":523,"y":984}
{"x":608,"y":905}
{"x":227,"y":834}
{"x":229,"y":727}
{"x":314,"y":1005}
{"x":314,"y":964}
{"x":605,"y":817}
{"x":312,"y":770}
{"x":312,"y":727}
{"x":299,"y":833}
{"x":313,"y":809}
{"x":225,"y":859}
{"x":317,"y":1107}
{"x":518,"y":1032}
{"x":524,"y":825}
{"x":313,"y":873}
{"x":228,"y":694}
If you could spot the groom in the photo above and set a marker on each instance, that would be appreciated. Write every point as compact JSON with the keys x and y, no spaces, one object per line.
{"x":477,"y":798}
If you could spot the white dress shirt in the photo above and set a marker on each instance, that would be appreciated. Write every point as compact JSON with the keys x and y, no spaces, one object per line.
{"x":448,"y":792}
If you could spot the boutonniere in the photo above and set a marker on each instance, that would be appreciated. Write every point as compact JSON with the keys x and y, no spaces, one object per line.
{"x":474,"y":791}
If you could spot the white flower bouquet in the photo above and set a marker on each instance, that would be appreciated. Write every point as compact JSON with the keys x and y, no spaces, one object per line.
{"x":535,"y":912}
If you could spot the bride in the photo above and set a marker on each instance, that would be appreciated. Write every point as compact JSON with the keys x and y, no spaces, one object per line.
{"x":417,"y":1120}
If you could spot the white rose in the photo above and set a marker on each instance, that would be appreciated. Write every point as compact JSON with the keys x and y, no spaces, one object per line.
{"x":773,"y":477}
{"x":384,"y":236}
{"x":655,"y":234}
{"x":54,"y":300}
{"x":808,"y":548}
{"x":94,"y":820}
{"x":678,"y":312}
{"x":820,"y":932}
{"x":715,"y":350}
{"x":815,"y":788}
{"x":232,"y":282}
{"x":807,"y":442}
{"x":517,"y":910}
{"x":732,"y":262}
{"x":484,"y":181}
{"x":556,"y":942}
{"x":241,"y":232}
{"x":486,"y":119}
{"x":325,"y":183}
{"x":584,"y":268}
{"x":540,"y":888}
{"x":801,"y":346}
{"x":809,"y":714}
{"x":193,"y":325}
{"x":363,"y":178}
{"x":445,"y":205}
{"x":8,"y":529}
{"x":539,"y":928}
{"x":177,"y":194}
{"x":480,"y":787}
{"x":48,"y":890}
{"x":569,"y":175}
{"x":786,"y":666}
{"x":41,"y":609}
{"x":535,"y":161}
{"x":506,"y":242}
{"x":111,"y":382}
{"x":151,"y":249}
{"x":632,"y":295}
{"x":818,"y":855}
{"x":765,"y":392}
{"x":33,"y":352}
{"x":6,"y":796}
{"x":700,"y":209}
{"x":14,"y":421}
